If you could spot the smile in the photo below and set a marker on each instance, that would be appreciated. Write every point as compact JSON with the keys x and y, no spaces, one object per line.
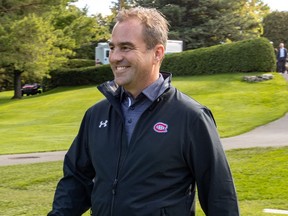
{"x":119,"y":68}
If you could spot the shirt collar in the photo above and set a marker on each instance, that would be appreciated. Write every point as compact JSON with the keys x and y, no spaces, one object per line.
{"x":151,"y":92}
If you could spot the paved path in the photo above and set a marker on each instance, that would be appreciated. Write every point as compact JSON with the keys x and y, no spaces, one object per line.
{"x":14,"y":159}
{"x":274,"y":134}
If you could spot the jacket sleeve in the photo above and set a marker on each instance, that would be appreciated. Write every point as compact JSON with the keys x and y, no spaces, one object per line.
{"x":216,"y":191}
{"x":73,"y":192}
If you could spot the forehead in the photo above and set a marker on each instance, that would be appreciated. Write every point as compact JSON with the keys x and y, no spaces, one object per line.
{"x":128,"y":30}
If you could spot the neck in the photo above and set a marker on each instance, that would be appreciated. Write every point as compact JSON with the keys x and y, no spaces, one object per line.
{"x":136,"y":91}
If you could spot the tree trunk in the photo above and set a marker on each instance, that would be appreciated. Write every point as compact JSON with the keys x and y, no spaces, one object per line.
{"x":17,"y":85}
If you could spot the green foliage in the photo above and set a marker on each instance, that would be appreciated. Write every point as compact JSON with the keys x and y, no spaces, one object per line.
{"x":250,"y":14}
{"x":203,"y":23}
{"x":29,"y":49}
{"x":32,"y":46}
{"x":80,"y":76}
{"x":78,"y":26}
{"x":243,"y":56}
{"x":20,"y":8}
{"x":29,"y":41}
{"x":6,"y":80}
{"x":39,"y":35}
{"x":79,"y":63}
{"x":276,"y":28}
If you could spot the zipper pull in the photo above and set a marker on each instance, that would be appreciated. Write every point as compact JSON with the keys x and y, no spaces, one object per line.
{"x":163,"y":212}
{"x":114,"y":186}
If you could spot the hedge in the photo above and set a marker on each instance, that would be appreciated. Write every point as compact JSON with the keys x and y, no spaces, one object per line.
{"x":79,"y":63}
{"x":79,"y":76}
{"x":255,"y":55}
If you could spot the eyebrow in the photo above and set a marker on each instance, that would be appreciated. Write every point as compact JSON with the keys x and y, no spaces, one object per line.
{"x":122,"y":44}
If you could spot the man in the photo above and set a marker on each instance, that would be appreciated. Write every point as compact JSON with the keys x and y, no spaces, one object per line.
{"x":281,"y":58}
{"x":141,"y":151}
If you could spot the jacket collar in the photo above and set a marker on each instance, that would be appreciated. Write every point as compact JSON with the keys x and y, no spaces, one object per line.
{"x":112,"y":91}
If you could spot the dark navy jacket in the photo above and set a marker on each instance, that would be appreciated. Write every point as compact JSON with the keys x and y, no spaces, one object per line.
{"x":174,"y":145}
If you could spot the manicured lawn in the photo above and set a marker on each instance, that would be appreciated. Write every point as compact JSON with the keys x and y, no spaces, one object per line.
{"x":260,"y":176}
{"x":50,"y":121}
{"x":46,"y":122}
{"x":238,"y":106}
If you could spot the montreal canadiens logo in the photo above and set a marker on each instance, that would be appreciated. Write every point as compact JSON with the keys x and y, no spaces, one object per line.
{"x":160,"y":127}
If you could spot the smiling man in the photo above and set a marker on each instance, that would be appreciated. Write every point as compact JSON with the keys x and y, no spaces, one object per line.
{"x":143,"y":149}
{"x":135,"y":64}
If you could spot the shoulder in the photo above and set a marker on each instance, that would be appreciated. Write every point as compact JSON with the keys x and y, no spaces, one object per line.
{"x":188,"y":108}
{"x":99,"y":106}
{"x":185,"y":103}
{"x":186,"y":100}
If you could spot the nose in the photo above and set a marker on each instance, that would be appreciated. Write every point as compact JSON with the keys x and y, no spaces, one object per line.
{"x":115,"y":55}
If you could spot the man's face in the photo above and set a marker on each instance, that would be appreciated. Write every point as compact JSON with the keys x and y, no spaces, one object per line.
{"x":132,"y":64}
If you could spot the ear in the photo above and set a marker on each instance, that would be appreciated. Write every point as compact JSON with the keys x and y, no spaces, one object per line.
{"x":159,"y":52}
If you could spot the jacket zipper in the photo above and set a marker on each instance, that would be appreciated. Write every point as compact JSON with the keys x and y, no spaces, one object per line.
{"x":114,"y":187}
{"x":163,"y":212}
{"x":116,"y":179}
{"x":121,"y":162}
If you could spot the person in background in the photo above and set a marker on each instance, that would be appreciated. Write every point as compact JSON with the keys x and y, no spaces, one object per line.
{"x":281,"y":58}
{"x":143,"y":149}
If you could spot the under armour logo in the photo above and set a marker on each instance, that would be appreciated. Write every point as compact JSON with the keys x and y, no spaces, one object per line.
{"x":103,"y":124}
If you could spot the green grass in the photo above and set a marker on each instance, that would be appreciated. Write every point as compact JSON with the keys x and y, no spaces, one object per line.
{"x":260,"y":176}
{"x":50,"y":121}
{"x":238,"y":106}
{"x":46,"y":122}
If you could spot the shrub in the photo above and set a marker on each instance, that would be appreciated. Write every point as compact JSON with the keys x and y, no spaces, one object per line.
{"x":79,"y":76}
{"x":79,"y":63}
{"x":254,"y":55}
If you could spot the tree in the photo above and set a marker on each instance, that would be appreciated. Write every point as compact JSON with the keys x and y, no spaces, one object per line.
{"x":276,"y":28}
{"x":31,"y":47}
{"x":251,"y":14}
{"x":39,"y":35}
{"x":84,"y":30}
{"x":15,"y":8}
{"x":15,"y":39}
{"x":202,"y":23}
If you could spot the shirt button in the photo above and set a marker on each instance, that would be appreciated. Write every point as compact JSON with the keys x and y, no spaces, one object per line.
{"x":132,"y":107}
{"x":130,"y":121}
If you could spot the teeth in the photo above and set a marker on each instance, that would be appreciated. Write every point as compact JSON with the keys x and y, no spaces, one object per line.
{"x":121,"y":68}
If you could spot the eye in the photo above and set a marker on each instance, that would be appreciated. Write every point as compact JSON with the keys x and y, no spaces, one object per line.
{"x":111,"y":47}
{"x":126,"y":48}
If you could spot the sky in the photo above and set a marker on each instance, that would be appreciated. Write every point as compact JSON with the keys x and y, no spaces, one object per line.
{"x":94,"y":6}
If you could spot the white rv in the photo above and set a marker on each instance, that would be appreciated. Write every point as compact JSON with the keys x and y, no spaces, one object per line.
{"x":102,"y":53}
{"x":102,"y":50}
{"x":174,"y":46}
